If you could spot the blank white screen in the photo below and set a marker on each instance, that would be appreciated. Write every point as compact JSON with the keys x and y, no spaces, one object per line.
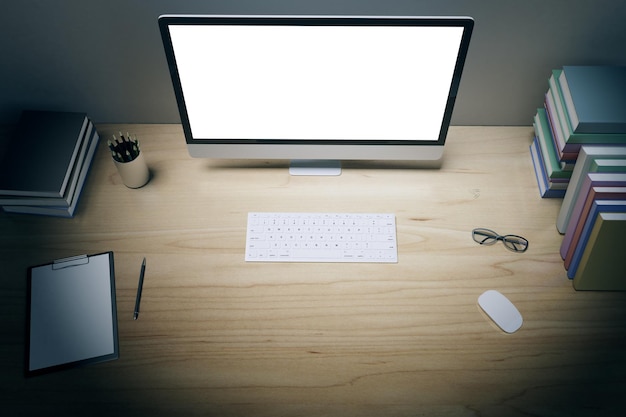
{"x":315,"y":82}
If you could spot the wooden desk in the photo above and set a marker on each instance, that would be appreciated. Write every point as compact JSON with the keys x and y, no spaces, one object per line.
{"x":219,"y":336}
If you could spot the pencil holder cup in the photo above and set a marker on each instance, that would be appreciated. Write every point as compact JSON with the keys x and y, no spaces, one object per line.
{"x":135,"y":173}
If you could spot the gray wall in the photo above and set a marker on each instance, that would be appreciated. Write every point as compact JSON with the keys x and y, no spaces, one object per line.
{"x":105,"y":57}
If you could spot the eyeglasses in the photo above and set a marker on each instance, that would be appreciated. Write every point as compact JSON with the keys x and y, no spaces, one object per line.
{"x":489,"y":237}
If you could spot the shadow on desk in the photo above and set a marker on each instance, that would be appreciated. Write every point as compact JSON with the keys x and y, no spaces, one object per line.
{"x":351,"y":164}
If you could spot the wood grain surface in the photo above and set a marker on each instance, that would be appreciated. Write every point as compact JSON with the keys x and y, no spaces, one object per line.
{"x":221,"y":337}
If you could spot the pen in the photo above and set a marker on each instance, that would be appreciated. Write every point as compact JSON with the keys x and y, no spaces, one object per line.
{"x":141,"y":274}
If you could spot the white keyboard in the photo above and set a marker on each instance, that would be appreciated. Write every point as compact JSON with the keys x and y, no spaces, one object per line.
{"x":321,"y":237}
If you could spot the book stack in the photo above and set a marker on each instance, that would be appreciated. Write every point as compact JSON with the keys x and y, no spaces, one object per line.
{"x":46,"y":164}
{"x":579,"y":153}
{"x":593,"y":219}
{"x":584,"y":105}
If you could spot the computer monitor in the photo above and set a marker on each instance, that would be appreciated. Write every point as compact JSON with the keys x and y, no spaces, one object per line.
{"x":315,"y":88}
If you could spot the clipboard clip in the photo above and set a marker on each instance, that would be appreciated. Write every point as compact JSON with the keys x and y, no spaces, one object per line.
{"x":70,"y":262}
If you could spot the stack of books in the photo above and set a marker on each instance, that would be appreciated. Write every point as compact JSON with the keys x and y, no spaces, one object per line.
{"x":584,"y":105}
{"x":579,"y":153}
{"x":46,"y":164}
{"x":593,"y":219}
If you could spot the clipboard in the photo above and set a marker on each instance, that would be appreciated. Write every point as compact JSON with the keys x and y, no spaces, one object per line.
{"x":71,"y":313}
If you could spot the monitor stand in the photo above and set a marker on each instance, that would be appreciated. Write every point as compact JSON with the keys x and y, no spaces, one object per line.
{"x":315,"y":167}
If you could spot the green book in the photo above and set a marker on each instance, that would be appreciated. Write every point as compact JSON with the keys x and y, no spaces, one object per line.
{"x":608,"y":165}
{"x":554,"y":168}
{"x":565,"y":136}
{"x":595,"y":98}
{"x":603,"y":262}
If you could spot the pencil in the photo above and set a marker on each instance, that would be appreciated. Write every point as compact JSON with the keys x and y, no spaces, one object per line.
{"x":125,"y":148}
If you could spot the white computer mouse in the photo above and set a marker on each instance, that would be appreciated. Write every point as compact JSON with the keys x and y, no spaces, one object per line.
{"x":501,"y":310}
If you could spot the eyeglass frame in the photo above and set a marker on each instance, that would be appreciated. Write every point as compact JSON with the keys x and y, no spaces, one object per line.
{"x":491,"y":240}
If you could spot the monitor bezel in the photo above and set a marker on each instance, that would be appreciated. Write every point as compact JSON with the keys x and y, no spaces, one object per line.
{"x":286,"y":148}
